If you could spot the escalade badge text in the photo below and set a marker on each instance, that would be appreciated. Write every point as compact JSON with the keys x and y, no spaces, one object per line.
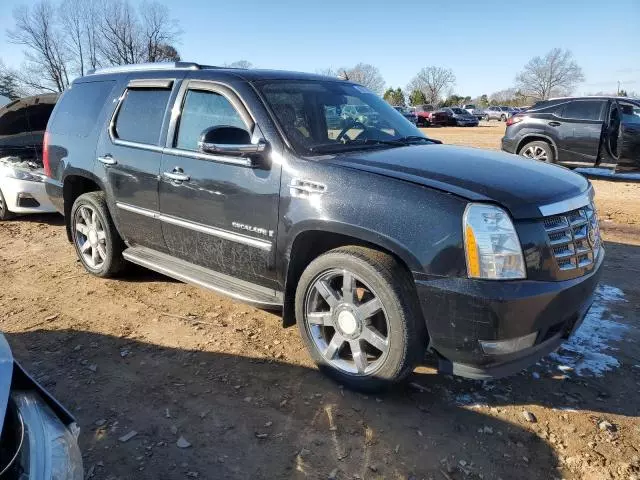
{"x":251,"y":228}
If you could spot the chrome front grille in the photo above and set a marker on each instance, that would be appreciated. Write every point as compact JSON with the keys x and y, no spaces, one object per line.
{"x":574,"y":237}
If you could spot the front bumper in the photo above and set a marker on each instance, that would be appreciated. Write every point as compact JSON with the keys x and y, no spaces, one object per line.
{"x":24,"y":196}
{"x":461,"y":312}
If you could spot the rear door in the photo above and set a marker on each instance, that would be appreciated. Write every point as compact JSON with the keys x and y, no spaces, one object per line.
{"x":628,"y":137}
{"x":129,"y":156}
{"x":578,"y":131}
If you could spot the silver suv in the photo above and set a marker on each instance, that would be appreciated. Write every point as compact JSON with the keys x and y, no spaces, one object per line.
{"x":498,"y":113}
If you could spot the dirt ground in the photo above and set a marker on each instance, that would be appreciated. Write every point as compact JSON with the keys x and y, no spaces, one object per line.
{"x":183,"y":367}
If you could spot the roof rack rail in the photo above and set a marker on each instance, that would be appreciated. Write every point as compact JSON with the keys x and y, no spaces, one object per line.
{"x":135,"y":67}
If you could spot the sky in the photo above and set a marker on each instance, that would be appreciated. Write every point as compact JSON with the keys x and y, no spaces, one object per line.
{"x":485,"y":42}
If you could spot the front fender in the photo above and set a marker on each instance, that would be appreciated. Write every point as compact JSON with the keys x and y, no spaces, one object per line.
{"x":420,"y":225}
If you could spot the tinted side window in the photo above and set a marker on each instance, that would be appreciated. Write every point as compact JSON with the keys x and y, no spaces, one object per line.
{"x":583,"y":110}
{"x":203,"y":110}
{"x":141,"y":114}
{"x":79,"y":108}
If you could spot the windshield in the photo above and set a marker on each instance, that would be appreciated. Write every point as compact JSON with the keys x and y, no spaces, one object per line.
{"x":459,"y":111}
{"x":364,"y":120}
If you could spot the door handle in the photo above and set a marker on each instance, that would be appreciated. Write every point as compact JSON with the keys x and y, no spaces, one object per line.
{"x":177,"y":175}
{"x":107,"y":160}
{"x":554,"y":124}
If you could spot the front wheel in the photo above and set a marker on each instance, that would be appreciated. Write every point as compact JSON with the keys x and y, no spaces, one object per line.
{"x":358,"y":315}
{"x":503,"y":118}
{"x":95,"y":238}
{"x":5,"y":214}
{"x":538,"y":150}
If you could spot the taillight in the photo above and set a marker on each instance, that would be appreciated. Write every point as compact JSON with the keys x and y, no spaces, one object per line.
{"x":45,"y":155}
{"x":513,"y":119}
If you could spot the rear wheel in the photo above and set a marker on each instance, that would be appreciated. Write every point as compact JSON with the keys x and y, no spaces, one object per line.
{"x":503,"y":118}
{"x":358,"y":315}
{"x":96,"y":240}
{"x":538,"y":150}
{"x":5,"y":214}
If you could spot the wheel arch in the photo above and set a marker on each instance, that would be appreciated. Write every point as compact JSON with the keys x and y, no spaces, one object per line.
{"x":74,"y":186}
{"x":540,"y":138}
{"x":311,"y":242}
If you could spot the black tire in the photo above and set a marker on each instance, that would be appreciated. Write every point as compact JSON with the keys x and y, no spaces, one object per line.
{"x":113,"y":262}
{"x":5,"y":214}
{"x":407,"y":337}
{"x":503,"y":118}
{"x":549,"y":156}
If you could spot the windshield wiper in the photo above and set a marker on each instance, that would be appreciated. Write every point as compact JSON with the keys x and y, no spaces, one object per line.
{"x":370,"y":142}
{"x":352,"y":145}
{"x":415,"y":138}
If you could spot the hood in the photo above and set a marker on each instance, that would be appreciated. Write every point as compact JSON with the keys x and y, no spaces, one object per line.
{"x":521,"y":185}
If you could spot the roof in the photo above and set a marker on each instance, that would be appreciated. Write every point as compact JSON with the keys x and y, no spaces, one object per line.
{"x":592,"y":97}
{"x":246,"y":74}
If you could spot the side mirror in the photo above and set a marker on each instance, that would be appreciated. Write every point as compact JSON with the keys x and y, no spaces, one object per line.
{"x":227,"y":140}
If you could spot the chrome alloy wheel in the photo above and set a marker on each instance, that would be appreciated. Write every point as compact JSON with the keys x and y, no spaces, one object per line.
{"x":536,"y":152}
{"x":347,"y":322}
{"x":91,"y":238}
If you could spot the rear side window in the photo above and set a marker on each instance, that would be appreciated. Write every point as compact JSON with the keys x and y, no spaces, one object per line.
{"x":141,"y":114}
{"x":203,"y":110}
{"x":583,"y":110}
{"x":79,"y":108}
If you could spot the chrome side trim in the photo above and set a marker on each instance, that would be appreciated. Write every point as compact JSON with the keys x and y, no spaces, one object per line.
{"x":140,"y":211}
{"x":198,"y":227}
{"x":141,"y":146}
{"x":567,"y":205}
{"x":239,"y":161}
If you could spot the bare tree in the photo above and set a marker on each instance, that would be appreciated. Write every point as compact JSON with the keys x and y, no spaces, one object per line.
{"x":8,"y":83}
{"x":46,"y":57}
{"x":328,"y":72}
{"x":364,"y":74}
{"x":126,"y":36}
{"x":557,"y":73}
{"x":92,"y":32}
{"x":120,"y":33}
{"x":239,"y":64}
{"x":158,"y":31}
{"x":72,"y":19}
{"x":434,"y":82}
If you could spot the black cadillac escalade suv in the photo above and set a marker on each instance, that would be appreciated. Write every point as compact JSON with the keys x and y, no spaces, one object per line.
{"x":379,"y":242}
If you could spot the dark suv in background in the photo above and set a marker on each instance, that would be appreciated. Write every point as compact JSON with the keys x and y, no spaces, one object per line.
{"x":379,"y":242}
{"x":578,"y":132}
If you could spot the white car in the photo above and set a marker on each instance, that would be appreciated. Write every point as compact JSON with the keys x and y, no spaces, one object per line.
{"x":22,"y":126}
{"x":22,"y":188}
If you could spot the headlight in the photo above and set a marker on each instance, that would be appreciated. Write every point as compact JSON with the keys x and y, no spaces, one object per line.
{"x":24,"y":175}
{"x":492,"y":246}
{"x":50,"y":449}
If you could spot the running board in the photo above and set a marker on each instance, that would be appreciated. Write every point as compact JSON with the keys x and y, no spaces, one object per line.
{"x":184,"y":271}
